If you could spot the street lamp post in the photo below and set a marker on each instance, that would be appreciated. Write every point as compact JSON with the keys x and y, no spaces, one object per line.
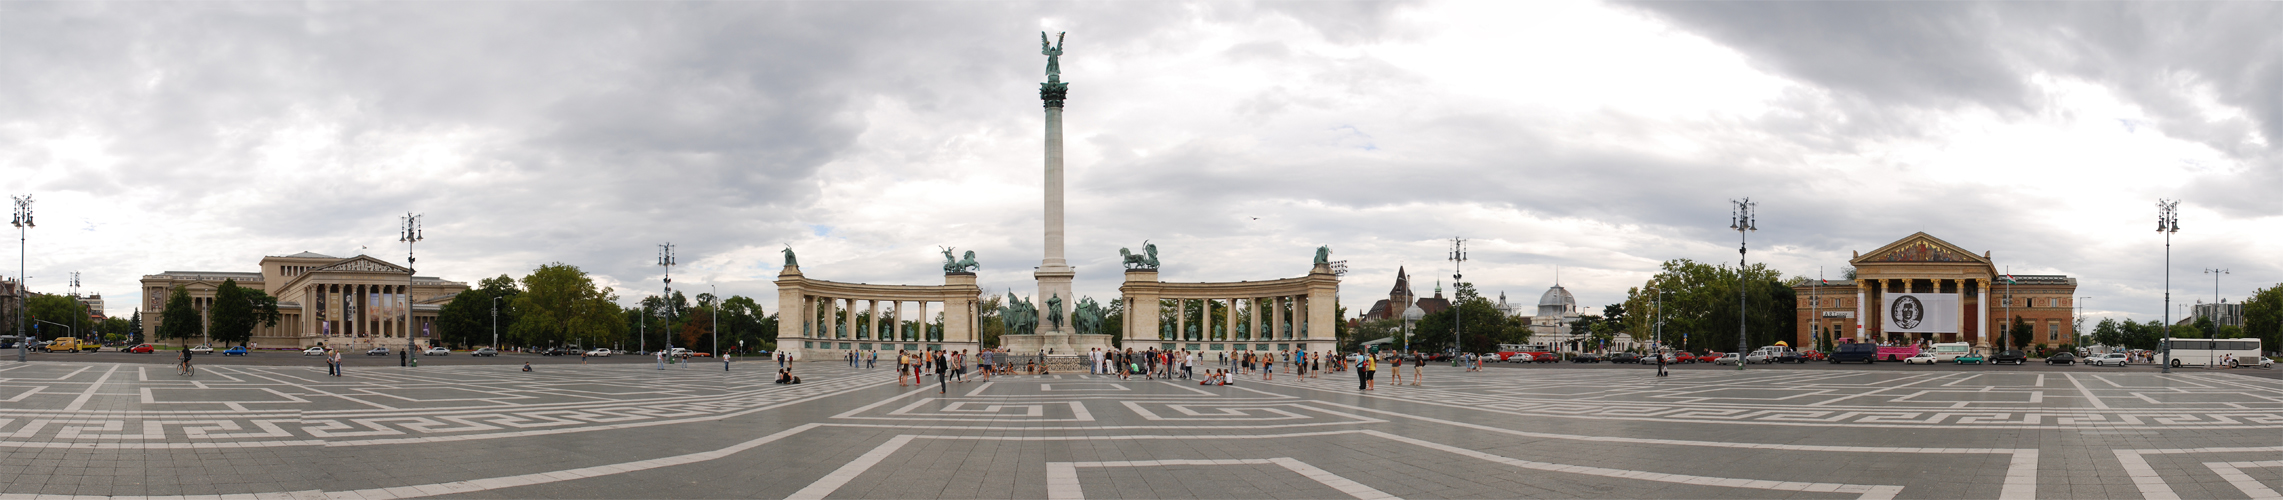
{"x":495,"y":322}
{"x":1458,"y":311}
{"x":2215,"y":314}
{"x":2079,"y":325}
{"x":666,"y":259}
{"x":1660,"y":329}
{"x":714,"y":328}
{"x":2167,"y":222}
{"x":411,"y":234}
{"x":1742,"y":220}
{"x":23,"y":223}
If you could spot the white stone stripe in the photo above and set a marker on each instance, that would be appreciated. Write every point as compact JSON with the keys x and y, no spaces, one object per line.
{"x":2233,"y":473}
{"x":832,"y":482}
{"x":2151,"y":484}
{"x":1062,"y":477}
{"x":2088,"y":392}
{"x":90,"y":392}
{"x":1866,"y":492}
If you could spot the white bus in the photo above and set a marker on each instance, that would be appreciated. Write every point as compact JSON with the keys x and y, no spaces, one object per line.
{"x":1949,"y":352}
{"x":2213,"y":352}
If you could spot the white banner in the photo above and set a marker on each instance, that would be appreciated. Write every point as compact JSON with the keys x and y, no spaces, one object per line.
{"x":1920,"y":312}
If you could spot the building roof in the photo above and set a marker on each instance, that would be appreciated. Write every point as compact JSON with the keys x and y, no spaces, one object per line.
{"x":1402,"y":282}
{"x":2039,"y":279}
{"x":1557,"y":296}
{"x":311,"y":255}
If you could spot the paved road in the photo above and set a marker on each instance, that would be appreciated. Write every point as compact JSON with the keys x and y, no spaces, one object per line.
{"x":2034,"y":366}
{"x":627,"y":430}
{"x":352,"y":359}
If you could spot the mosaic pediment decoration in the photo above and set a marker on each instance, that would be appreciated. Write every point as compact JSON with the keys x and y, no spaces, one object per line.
{"x":1922,"y":251}
{"x":364,"y":264}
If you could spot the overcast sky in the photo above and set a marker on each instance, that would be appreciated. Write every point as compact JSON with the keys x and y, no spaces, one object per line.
{"x":1600,"y":138}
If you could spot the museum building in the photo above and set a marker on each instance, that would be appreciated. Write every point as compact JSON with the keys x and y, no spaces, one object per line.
{"x":1924,"y":289}
{"x":356,"y":302}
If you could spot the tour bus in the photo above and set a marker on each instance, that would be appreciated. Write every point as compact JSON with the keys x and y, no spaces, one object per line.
{"x":1948,"y":352}
{"x":2213,"y":352}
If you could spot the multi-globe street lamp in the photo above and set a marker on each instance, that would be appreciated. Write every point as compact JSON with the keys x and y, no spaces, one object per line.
{"x":410,"y":235}
{"x":495,"y":322}
{"x":2167,"y":222}
{"x":23,"y":223}
{"x":1741,"y":219}
{"x":2215,"y":314}
{"x":1458,"y":312}
{"x":666,"y":259}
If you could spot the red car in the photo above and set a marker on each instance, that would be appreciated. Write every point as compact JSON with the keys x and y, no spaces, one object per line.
{"x":1684,"y":357}
{"x":1813,"y":355}
{"x":144,"y":348}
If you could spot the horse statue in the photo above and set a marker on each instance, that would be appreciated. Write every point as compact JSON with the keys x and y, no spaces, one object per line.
{"x":955,"y":265}
{"x":1018,"y":316}
{"x":1323,"y":255}
{"x":789,"y":260}
{"x":1145,"y":260}
{"x":1088,"y":318}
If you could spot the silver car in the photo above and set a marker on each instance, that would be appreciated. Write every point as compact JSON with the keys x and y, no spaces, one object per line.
{"x":2110,"y":359}
{"x":1728,"y":359}
{"x":1761,"y":357}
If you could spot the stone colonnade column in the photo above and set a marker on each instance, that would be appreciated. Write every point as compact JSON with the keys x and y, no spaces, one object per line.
{"x":1862,"y":310}
{"x":1180,"y":320}
{"x":872,"y":326}
{"x":1231,"y":324}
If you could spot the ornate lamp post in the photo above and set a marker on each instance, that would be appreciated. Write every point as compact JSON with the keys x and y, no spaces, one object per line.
{"x":666,"y":259}
{"x":1742,"y":220}
{"x":23,"y":223}
{"x":1458,"y":313}
{"x":495,"y":323}
{"x":2215,"y":314}
{"x":411,"y":234}
{"x":2167,"y":222}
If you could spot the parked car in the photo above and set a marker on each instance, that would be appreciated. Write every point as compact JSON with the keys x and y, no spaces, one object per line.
{"x":1790,"y":356}
{"x":2010,"y":356}
{"x":2110,"y":359}
{"x":1624,"y":357}
{"x":1970,"y":358}
{"x":377,"y":351}
{"x":1729,"y":359}
{"x":1852,"y":352}
{"x":599,"y":353}
{"x":1684,"y":357}
{"x":436,"y":351}
{"x":1811,"y":355}
{"x":1760,"y":357}
{"x":202,"y":349}
{"x":2061,"y":358}
{"x":140,"y":348}
{"x":485,"y":352}
{"x":1924,"y":358}
{"x":236,"y":350}
{"x":1585,"y":357}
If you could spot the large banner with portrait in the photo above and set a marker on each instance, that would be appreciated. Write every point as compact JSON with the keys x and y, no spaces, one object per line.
{"x":1920,"y":312}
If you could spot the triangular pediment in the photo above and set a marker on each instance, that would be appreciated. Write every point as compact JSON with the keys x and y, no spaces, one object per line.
{"x":1919,"y":247}
{"x":363,"y":264}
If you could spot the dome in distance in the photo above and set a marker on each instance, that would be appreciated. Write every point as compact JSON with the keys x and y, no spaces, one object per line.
{"x":1413,"y":313}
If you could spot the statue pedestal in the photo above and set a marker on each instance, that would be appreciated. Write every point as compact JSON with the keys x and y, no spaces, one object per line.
{"x":1063,"y":344}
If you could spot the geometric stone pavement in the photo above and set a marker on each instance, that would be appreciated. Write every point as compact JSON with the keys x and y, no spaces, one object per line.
{"x":629,"y":430}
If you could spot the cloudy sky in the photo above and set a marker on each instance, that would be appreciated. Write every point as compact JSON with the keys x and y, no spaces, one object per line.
{"x":1599,"y":138}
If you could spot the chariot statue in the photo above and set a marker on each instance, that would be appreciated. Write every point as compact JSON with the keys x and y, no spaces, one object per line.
{"x":956,"y":265}
{"x":1145,"y":260}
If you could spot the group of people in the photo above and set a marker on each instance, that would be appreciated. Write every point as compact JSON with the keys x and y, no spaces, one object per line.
{"x":1154,"y":363}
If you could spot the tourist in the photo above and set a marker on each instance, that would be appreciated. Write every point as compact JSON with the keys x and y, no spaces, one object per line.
{"x":1396,"y":361}
{"x":942,"y":368}
{"x":1268,"y":366}
{"x":873,"y":361}
{"x":903,"y":366}
{"x":1188,"y":365}
{"x":333,"y":358}
{"x":527,"y":366}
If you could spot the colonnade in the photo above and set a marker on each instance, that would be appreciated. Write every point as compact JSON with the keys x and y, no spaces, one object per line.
{"x":1286,"y":317}
{"x":836,"y":318}
{"x":1870,"y":293}
{"x":1290,"y":305}
{"x":826,"y":316}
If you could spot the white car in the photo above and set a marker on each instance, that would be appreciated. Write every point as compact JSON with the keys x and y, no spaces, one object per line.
{"x":436,"y":351}
{"x":600,"y":353}
{"x":313,"y":351}
{"x":202,"y":350}
{"x":1761,"y":357}
{"x":2114,"y":358}
{"x":1924,"y":358}
{"x":1729,"y":359}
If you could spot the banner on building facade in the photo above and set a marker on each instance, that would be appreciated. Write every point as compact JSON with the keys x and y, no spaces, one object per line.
{"x":1921,"y":312}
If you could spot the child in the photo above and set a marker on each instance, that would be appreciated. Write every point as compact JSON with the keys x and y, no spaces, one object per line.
{"x":527,"y":366}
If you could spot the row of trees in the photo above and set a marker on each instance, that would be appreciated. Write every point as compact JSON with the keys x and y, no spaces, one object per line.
{"x":230,"y":320}
{"x":560,"y":305}
{"x":50,"y":316}
{"x":1473,"y":322}
{"x":2262,"y":319}
{"x":1700,"y":306}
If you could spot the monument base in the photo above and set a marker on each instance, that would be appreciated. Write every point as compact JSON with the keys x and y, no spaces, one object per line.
{"x":1061,"y":344}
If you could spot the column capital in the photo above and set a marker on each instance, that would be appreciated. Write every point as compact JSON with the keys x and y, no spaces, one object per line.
{"x":1053,"y":93}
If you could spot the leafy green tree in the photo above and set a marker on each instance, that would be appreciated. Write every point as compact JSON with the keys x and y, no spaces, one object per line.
{"x":2022,"y":333}
{"x":2263,"y":317}
{"x":237,"y":311}
{"x":1700,"y":305}
{"x":2201,"y":328}
{"x":1476,"y":319}
{"x":741,"y":320}
{"x":2108,"y":332}
{"x":57,"y":309}
{"x":468,"y":320}
{"x":560,"y":304}
{"x":181,"y":320}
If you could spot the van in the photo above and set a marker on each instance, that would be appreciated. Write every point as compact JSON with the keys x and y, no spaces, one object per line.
{"x":1851,"y":352}
{"x":69,"y":344}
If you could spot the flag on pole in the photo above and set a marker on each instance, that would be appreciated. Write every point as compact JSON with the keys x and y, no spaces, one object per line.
{"x":2010,"y":280}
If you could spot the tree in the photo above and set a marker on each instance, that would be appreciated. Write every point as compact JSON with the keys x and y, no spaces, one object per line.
{"x":741,"y":320}
{"x":467,"y":320}
{"x":561,"y":304}
{"x":987,"y":315}
{"x":1700,"y":309}
{"x":2203,"y":327}
{"x":135,"y":324}
{"x":180,"y":320}
{"x":237,"y":311}
{"x":2022,"y":333}
{"x":2263,"y":316}
{"x":1478,"y":320}
{"x":57,"y":309}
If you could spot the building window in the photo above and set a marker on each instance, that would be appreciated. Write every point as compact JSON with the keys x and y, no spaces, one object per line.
{"x":2052,"y":330}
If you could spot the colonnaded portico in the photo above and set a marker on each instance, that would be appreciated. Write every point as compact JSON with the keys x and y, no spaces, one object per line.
{"x":819,"y":319}
{"x":1292,"y":305}
{"x":1923,"y":289}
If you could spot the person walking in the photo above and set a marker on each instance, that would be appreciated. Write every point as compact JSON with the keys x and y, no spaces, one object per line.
{"x":662,"y":360}
{"x":942,"y":368}
{"x":1417,"y":359}
{"x":333,"y":358}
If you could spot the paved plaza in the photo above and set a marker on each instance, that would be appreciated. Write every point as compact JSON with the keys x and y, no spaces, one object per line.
{"x":628,"y":430}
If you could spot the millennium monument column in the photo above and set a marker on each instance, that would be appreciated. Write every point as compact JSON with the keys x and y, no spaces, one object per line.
{"x":1054,"y":273}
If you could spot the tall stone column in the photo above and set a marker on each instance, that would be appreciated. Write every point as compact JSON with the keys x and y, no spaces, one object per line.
{"x":1054,"y":272}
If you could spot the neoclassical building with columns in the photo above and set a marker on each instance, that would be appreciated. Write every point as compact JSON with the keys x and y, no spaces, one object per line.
{"x":354,"y":302}
{"x":1924,"y":289}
